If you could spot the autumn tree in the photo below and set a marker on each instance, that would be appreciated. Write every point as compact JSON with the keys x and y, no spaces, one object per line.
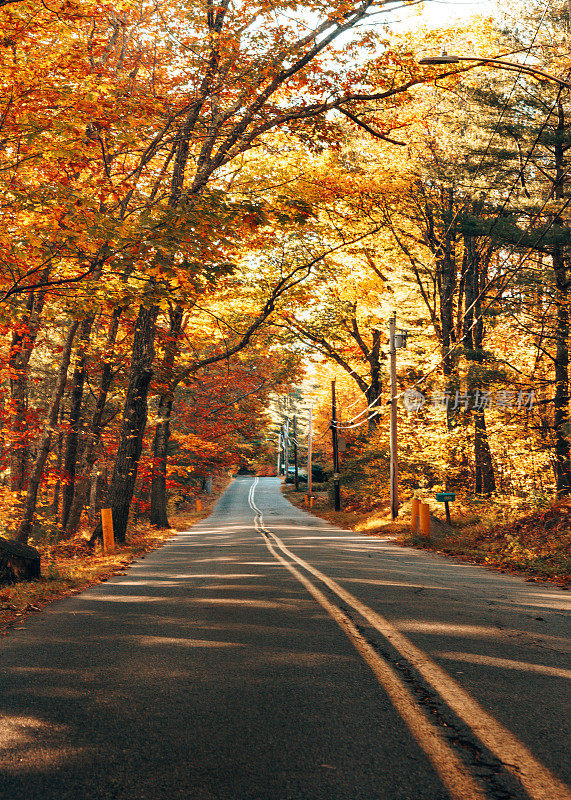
{"x":532,"y":221}
{"x":243,"y":86}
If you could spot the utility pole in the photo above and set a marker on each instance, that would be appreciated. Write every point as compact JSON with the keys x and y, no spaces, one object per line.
{"x":295,"y":468}
{"x":309,"y":454}
{"x":393,"y":428}
{"x":279,"y":469}
{"x":286,"y":448}
{"x":336,"y":491}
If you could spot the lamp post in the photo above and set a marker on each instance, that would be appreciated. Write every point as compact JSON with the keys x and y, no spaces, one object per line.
{"x":500,"y":63}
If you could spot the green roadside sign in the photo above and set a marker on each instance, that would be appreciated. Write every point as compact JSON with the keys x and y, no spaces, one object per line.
{"x":445,"y":497}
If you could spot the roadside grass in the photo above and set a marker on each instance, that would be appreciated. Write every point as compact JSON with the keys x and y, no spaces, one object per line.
{"x":70,"y":566}
{"x":536,"y":543}
{"x":502,"y":533}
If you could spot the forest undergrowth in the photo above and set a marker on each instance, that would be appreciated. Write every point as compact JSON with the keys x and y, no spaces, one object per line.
{"x":71,"y":566}
{"x":499,"y":532}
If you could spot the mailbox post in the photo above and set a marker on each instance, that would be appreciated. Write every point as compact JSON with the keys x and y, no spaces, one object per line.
{"x":446,"y":497}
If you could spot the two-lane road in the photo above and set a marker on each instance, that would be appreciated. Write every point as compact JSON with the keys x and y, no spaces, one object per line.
{"x":264,"y":655}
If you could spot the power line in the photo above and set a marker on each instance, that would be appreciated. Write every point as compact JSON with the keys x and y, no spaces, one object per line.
{"x":515,"y":269}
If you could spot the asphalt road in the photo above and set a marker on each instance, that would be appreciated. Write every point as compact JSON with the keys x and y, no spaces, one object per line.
{"x":264,"y":655}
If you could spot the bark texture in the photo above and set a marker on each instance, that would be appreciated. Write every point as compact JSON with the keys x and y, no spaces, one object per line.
{"x":37,"y":471}
{"x":90,"y":450}
{"x":133,"y":423}
{"x":159,"y":515}
{"x":21,"y":348}
{"x":473,"y":339}
{"x":561,"y":399}
{"x":75,"y":407}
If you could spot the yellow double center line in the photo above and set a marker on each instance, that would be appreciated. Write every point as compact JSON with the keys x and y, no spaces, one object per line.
{"x":536,"y":779}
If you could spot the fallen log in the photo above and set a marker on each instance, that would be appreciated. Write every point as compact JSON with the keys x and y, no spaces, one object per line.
{"x":18,"y":562}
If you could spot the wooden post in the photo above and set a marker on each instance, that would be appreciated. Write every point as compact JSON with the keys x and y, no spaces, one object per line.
{"x":198,"y":504}
{"x":108,"y":534}
{"x":424,"y":520}
{"x":414,"y":504}
{"x":447,"y":507}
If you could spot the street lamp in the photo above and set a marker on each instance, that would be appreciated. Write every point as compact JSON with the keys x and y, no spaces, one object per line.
{"x":400,"y":339}
{"x":511,"y":66}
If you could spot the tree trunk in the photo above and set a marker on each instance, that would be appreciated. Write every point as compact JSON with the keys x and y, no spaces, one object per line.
{"x":374,"y":391}
{"x":158,"y":513}
{"x":446,"y":282}
{"x":561,"y":399}
{"x":133,"y":424}
{"x":75,"y":405}
{"x":22,"y":346}
{"x":485,"y":477}
{"x":93,"y":435}
{"x":59,"y":454}
{"x":473,"y":339}
{"x":160,"y":454}
{"x":162,"y":433}
{"x":97,"y":491}
{"x":37,"y":470}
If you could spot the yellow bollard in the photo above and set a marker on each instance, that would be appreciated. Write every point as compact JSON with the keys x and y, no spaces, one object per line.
{"x":108,"y":535}
{"x":198,"y":504}
{"x":424,"y":519}
{"x":311,"y":501}
{"x":414,"y":504}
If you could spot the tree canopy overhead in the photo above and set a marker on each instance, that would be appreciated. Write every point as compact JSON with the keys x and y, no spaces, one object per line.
{"x":200,"y":202}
